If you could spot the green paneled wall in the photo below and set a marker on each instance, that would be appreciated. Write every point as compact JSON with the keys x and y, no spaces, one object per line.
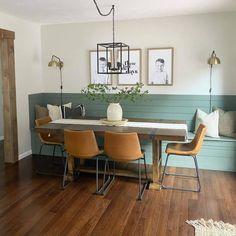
{"x":216,"y":155}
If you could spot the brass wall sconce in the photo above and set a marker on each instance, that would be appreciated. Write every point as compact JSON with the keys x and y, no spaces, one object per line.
{"x":213,"y":60}
{"x":57,"y":62}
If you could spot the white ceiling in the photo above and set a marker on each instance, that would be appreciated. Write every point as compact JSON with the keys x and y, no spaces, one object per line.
{"x":64,"y":11}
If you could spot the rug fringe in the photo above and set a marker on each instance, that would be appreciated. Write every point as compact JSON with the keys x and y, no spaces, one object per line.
{"x":211,"y":227}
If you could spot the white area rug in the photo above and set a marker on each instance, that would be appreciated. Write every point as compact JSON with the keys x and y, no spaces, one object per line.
{"x":212,"y":228}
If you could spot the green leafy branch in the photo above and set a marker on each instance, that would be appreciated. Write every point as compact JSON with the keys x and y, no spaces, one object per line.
{"x":113,"y":94}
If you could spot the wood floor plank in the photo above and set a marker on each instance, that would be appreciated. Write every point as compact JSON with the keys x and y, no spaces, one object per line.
{"x":148,"y":225}
{"x":53,"y":199}
{"x":66,"y":213}
{"x":135,"y":216}
{"x":83,"y":223}
{"x":35,"y":205}
{"x":174,"y":211}
{"x":33,"y":212}
{"x":57,"y":209}
{"x":18,"y":207}
{"x":19,"y":194}
{"x":114,"y":219}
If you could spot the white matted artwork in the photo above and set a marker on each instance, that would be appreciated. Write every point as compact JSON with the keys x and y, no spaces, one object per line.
{"x":160,"y":66}
{"x":134,"y":75}
{"x":96,"y":78}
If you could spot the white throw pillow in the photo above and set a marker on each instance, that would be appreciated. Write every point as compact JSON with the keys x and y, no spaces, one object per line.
{"x":54,"y":112}
{"x":211,"y":121}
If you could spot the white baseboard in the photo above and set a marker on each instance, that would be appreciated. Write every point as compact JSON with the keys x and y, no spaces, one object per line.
{"x":25,"y":154}
{"x":1,"y":138}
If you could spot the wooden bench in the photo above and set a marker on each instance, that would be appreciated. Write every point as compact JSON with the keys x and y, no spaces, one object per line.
{"x":216,"y":154}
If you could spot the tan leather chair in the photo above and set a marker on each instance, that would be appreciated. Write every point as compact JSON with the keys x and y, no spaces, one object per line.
{"x":186,"y":149}
{"x":48,"y":139}
{"x":81,"y":145}
{"x":125,"y":147}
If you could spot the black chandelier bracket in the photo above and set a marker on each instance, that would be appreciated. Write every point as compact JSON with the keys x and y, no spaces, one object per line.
{"x":115,"y":54}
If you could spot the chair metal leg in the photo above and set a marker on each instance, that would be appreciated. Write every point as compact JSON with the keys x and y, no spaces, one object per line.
{"x":76,"y":171}
{"x":114,"y":168}
{"x":181,"y":175}
{"x":104,"y":175}
{"x":197,"y":171}
{"x":100,"y":190}
{"x":41,"y":147}
{"x":53,"y":153}
{"x":107,"y":182}
{"x":38,"y":160}
{"x":142,"y":188}
{"x":164,"y":171}
{"x":145,"y":167}
{"x":65,"y":182}
{"x":38,"y":163}
{"x":62,"y":152}
{"x":110,"y":180}
{"x":140,"y":180}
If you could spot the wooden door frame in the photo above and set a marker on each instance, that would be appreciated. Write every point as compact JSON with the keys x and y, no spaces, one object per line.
{"x":9,"y":95}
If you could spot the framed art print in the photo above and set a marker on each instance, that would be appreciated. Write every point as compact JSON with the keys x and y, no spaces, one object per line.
{"x":134,"y":75}
{"x":96,"y":78}
{"x":160,"y":66}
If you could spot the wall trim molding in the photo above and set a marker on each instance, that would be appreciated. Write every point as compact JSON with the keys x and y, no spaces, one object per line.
{"x":25,"y":154}
{"x":1,"y":138}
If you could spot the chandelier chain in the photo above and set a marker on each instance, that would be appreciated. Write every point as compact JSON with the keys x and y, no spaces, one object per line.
{"x":114,"y":60}
{"x":107,"y":14}
{"x":102,"y":14}
{"x":113,"y":23}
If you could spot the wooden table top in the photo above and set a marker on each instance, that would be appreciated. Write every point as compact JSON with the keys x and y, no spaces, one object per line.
{"x":150,"y":133}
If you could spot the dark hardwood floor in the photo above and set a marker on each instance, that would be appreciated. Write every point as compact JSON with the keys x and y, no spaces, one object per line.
{"x":31,"y":204}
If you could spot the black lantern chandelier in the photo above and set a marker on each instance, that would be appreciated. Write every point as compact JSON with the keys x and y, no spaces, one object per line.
{"x":114,"y":55}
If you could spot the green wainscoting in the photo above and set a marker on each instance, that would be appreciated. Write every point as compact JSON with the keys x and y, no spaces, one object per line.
{"x":216,"y":154}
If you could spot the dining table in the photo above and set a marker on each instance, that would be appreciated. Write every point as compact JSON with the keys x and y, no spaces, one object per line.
{"x":154,"y":130}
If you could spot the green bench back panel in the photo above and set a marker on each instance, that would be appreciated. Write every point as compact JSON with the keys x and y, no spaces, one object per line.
{"x":214,"y":155}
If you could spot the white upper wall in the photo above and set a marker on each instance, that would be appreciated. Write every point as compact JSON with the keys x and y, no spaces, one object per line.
{"x":27,"y":68}
{"x":193,"y":38}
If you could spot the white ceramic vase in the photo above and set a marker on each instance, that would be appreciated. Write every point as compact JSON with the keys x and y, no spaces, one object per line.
{"x":114,"y":112}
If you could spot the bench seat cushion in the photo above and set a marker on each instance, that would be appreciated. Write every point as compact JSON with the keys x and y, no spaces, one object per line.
{"x":220,"y":139}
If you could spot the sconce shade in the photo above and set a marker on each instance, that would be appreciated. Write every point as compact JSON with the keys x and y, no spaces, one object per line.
{"x":53,"y":64}
{"x":56,"y":62}
{"x":213,"y":60}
